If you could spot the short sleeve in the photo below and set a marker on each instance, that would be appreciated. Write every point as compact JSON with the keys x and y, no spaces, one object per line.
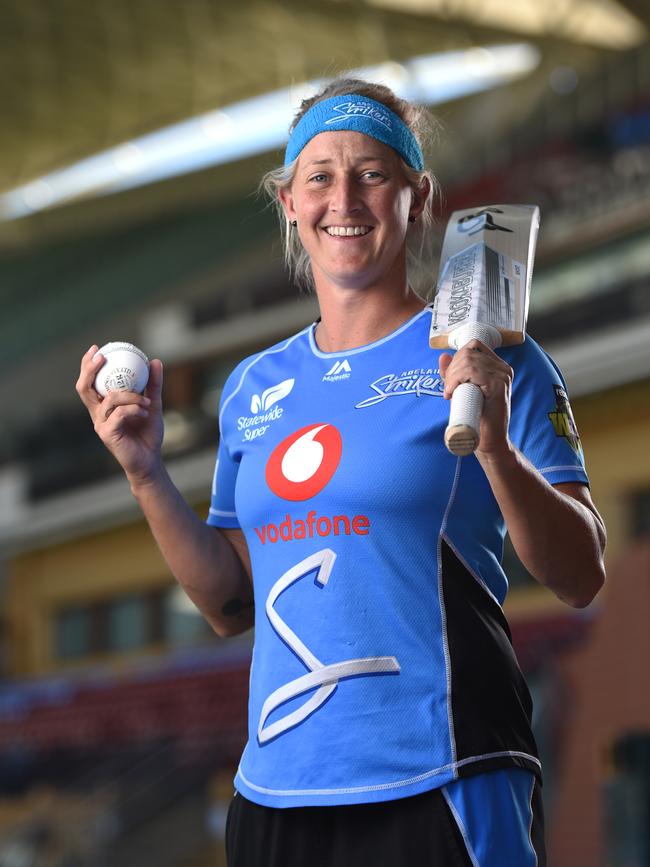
{"x":542,"y":426}
{"x":222,"y":511}
{"x":222,"y":500}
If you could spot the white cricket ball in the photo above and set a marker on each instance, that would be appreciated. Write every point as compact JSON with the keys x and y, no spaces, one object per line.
{"x":126,"y":369}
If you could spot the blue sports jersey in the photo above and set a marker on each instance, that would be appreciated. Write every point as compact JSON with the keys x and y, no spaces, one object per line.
{"x":382,"y":663}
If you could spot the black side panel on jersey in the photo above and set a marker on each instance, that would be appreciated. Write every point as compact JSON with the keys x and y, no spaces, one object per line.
{"x":491,"y":704}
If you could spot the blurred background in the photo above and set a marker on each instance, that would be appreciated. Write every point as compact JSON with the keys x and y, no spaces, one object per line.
{"x":133,"y":134}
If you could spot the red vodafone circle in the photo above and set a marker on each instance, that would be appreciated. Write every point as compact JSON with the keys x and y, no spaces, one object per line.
{"x":303,"y":463}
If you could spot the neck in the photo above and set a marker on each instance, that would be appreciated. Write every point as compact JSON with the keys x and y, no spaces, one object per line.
{"x":351,"y":318}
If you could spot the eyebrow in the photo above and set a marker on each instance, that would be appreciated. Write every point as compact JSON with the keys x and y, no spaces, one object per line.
{"x":363,"y":159}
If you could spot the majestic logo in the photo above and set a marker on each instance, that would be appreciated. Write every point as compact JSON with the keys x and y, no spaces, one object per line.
{"x":359,"y":108}
{"x":264,"y":410}
{"x":418,"y":382}
{"x":562,"y":420}
{"x":320,"y":680}
{"x":339,"y":370}
{"x":263,"y":402}
{"x":303,"y":463}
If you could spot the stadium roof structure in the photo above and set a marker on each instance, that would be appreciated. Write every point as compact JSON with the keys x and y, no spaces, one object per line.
{"x":187,"y":264}
{"x":80,"y":78}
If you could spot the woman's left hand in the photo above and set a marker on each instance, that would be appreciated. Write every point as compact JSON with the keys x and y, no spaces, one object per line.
{"x":478,"y":364}
{"x":562,"y":547}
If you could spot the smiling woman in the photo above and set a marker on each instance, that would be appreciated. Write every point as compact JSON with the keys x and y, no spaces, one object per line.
{"x":387,"y":711}
{"x":417,"y":129}
{"x":351,"y":203}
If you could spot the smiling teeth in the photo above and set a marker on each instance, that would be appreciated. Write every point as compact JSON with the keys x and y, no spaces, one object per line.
{"x":347,"y":230}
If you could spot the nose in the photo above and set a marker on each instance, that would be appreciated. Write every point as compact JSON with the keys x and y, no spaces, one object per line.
{"x":345,"y":196}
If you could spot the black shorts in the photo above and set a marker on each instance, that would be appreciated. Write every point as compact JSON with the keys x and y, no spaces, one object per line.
{"x":426,"y":830}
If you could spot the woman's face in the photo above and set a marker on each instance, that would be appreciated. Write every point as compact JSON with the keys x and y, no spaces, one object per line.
{"x":352,"y":203}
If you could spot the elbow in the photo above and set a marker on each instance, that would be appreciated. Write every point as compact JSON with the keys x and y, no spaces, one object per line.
{"x":587,"y":581}
{"x":228,"y":623}
{"x":230,"y":630}
{"x":232,"y":617}
{"x":579,"y":602}
{"x":222,"y":631}
{"x":583,"y":596}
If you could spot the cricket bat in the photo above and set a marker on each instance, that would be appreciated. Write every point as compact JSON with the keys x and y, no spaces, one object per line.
{"x":486,"y":267}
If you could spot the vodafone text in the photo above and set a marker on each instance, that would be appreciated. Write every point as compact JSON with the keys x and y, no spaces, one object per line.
{"x":313,"y":525}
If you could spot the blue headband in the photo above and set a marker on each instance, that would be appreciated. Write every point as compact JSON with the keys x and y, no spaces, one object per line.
{"x":359,"y":114}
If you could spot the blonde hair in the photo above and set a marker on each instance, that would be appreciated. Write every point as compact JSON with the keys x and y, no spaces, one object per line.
{"x":423,"y":126}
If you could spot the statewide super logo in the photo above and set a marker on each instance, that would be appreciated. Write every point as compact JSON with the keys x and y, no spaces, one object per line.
{"x":303,"y":463}
{"x":264,"y":401}
{"x":265,"y":410}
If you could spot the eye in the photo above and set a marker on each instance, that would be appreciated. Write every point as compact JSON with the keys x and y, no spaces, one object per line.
{"x":319,"y":178}
{"x":373,"y":176}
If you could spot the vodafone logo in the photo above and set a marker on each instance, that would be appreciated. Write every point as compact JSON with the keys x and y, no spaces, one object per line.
{"x":302,"y":464}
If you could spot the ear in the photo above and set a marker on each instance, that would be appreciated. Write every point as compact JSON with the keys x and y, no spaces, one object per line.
{"x":419,"y":197}
{"x":286,"y":199}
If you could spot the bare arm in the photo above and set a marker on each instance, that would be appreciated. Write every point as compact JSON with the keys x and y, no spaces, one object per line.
{"x":212,"y":565}
{"x":555,"y":530}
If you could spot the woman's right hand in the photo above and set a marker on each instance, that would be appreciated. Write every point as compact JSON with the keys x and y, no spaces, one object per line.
{"x":130,"y":425}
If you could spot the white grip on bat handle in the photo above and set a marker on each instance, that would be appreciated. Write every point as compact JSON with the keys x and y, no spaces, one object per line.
{"x":462,"y":433}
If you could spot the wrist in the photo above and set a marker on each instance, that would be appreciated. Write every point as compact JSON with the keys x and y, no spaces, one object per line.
{"x":144,"y":480}
{"x":503,"y":456}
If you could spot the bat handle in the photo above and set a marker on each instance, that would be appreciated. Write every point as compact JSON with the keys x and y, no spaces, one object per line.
{"x":462,"y":433}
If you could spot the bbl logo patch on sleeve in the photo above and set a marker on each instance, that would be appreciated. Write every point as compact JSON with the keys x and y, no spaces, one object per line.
{"x":562,"y":420}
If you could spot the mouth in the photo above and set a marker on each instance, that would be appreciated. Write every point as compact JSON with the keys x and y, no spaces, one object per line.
{"x":347,"y":231}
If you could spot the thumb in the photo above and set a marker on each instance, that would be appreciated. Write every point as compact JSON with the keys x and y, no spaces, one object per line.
{"x":444,"y":362}
{"x":154,"y":386}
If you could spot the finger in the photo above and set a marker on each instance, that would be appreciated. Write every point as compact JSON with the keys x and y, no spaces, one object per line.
{"x":154,"y":384}
{"x":476,"y":346}
{"x":91,"y":362}
{"x":443,"y":363}
{"x":116,"y":416}
{"x":470,"y":365}
{"x":115,"y":399}
{"x":477,"y":356}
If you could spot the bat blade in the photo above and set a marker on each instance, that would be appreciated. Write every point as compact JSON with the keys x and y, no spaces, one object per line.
{"x":485,"y":272}
{"x":483,"y":292}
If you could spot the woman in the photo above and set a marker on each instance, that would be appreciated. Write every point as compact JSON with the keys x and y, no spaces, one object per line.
{"x":389,"y":723}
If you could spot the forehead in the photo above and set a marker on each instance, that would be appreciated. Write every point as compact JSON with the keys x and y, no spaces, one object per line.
{"x":345,"y":146}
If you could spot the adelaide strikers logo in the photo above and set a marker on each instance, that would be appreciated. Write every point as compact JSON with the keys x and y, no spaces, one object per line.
{"x":303,"y":463}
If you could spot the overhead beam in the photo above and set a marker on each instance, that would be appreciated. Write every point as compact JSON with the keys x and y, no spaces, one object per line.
{"x":601,"y":23}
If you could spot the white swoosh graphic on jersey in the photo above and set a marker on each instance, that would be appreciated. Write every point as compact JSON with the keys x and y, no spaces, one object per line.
{"x":326,"y":677}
